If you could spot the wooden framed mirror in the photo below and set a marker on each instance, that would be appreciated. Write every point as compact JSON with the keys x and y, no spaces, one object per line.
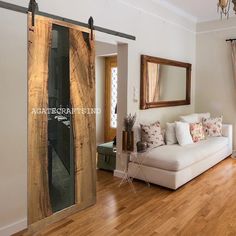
{"x":164,"y":83}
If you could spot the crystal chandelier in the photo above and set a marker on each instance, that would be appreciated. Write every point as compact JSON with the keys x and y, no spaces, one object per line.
{"x":224,"y":7}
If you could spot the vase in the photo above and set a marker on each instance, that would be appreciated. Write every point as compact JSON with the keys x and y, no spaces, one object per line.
{"x":128,"y":141}
{"x":141,"y":146}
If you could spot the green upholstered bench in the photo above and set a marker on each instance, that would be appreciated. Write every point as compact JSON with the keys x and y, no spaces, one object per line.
{"x":106,"y":157}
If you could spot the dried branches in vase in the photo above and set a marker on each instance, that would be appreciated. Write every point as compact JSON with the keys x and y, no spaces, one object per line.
{"x":128,"y":134}
{"x":129,"y":122}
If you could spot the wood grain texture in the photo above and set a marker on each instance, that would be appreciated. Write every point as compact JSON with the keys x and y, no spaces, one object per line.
{"x":71,"y":26}
{"x":82,"y":86}
{"x":205,"y":207}
{"x":82,"y":90}
{"x":39,"y":38}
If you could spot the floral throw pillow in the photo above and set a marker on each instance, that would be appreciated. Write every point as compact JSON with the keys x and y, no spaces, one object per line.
{"x":152,"y":135}
{"x":213,"y":126}
{"x":197,"y":132}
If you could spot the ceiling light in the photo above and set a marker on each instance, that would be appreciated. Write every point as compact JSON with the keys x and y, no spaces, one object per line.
{"x":224,"y":7}
{"x":234,"y":2}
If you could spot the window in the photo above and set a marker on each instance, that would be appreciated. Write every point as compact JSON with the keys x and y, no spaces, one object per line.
{"x":113,"y":115}
{"x":111,"y":98}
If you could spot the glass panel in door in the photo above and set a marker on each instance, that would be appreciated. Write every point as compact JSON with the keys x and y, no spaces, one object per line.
{"x":60,"y":139}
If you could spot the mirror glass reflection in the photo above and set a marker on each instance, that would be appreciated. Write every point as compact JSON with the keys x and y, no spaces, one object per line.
{"x":165,"y":82}
{"x":60,"y":138}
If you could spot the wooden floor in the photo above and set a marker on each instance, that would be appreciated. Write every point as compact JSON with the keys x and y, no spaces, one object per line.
{"x":205,"y":206}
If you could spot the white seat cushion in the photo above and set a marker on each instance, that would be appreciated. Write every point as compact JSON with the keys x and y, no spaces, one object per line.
{"x":176,"y":157}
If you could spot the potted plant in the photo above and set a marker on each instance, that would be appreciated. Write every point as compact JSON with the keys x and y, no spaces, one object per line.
{"x":128,"y":134}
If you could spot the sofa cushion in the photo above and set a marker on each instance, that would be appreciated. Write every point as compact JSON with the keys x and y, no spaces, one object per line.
{"x":152,"y":134}
{"x":195,"y":118}
{"x":203,"y":116}
{"x":176,"y":157}
{"x":213,"y":126}
{"x":183,"y":135}
{"x":197,"y":132}
{"x":170,"y":134}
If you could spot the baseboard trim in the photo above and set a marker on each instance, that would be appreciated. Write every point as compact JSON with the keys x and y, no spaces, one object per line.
{"x":13,"y":228}
{"x":119,"y":173}
{"x":233,"y":154}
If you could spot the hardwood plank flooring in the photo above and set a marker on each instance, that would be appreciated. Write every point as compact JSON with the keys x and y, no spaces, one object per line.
{"x":204,"y":206}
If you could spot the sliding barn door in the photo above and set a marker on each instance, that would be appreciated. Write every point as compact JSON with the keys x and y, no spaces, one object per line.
{"x":61,"y":147}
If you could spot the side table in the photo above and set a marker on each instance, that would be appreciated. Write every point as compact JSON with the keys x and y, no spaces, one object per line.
{"x":126,"y":178}
{"x":137,"y":158}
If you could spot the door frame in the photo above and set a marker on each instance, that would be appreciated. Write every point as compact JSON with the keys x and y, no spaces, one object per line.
{"x":125,"y":70}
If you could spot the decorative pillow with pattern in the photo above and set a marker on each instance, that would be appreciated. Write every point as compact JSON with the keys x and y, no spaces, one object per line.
{"x":152,"y":134}
{"x":197,"y":132}
{"x":213,"y":126}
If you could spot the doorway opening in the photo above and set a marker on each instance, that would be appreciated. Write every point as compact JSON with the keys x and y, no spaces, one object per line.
{"x":106,"y":101}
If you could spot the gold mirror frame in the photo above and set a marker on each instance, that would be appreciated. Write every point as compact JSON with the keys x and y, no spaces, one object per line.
{"x":144,"y":104}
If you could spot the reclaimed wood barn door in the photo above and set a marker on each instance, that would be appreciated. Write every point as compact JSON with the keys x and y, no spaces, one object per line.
{"x":82,"y":95}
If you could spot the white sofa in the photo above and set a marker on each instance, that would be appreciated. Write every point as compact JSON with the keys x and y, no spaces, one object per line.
{"x":172,"y":166}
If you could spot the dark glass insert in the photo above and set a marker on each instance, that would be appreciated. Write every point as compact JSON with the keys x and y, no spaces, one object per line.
{"x":60,"y":137}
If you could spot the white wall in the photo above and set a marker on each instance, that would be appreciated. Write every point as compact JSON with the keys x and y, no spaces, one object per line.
{"x":215,"y":89}
{"x":161,"y":38}
{"x":13,"y":122}
{"x":159,"y":33}
{"x":105,"y":49}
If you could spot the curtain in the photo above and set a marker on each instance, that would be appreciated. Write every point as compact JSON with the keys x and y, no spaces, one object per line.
{"x":233,"y":44}
{"x":153,"y":82}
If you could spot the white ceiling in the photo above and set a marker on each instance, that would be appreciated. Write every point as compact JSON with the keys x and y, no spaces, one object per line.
{"x":197,"y":10}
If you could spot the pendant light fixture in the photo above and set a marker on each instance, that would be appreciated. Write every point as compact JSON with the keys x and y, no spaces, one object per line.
{"x":224,"y":7}
{"x":234,"y":2}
